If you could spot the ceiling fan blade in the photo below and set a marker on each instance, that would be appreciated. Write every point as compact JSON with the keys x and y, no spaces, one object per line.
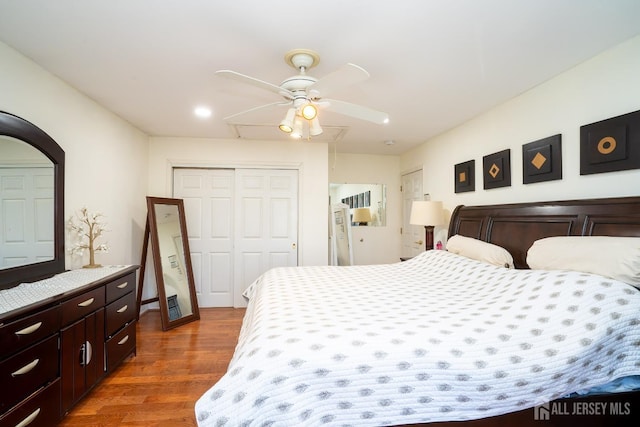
{"x":254,"y":82}
{"x":344,"y":76}
{"x":357,"y":111}
{"x":260,"y":107}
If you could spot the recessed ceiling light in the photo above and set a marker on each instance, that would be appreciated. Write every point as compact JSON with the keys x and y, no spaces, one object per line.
{"x":202,"y":112}
{"x":389,"y":142}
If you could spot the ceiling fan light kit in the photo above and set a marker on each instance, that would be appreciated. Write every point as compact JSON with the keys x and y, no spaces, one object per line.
{"x":303,"y":93}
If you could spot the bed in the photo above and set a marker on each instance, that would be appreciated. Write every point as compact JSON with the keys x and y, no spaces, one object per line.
{"x":443,"y":337}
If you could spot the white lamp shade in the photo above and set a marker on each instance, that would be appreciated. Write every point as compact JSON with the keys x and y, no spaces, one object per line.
{"x":426,"y":213}
{"x":361,"y":215}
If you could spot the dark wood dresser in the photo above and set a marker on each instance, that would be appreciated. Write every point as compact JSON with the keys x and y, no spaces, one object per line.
{"x":55,"y":350}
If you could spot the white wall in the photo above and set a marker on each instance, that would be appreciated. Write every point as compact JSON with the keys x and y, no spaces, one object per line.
{"x":106,"y":157}
{"x":373,"y":245}
{"x":607,"y":85}
{"x":309,"y":157}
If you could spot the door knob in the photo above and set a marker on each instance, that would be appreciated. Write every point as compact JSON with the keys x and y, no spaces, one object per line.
{"x":419,"y":242}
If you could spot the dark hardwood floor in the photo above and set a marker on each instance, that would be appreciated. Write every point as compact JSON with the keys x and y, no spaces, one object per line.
{"x":160,"y":385}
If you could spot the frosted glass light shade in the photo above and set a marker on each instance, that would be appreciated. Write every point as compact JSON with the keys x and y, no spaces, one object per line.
{"x":297,"y":128}
{"x":314,"y":127}
{"x":286,"y":125}
{"x":309,"y":111}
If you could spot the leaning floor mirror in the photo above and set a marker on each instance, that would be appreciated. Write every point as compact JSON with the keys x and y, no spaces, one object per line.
{"x":167,"y":231}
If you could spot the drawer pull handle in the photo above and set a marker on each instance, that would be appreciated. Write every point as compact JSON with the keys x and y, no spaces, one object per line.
{"x":123,"y":309}
{"x":30,"y":329}
{"x":123,"y":285}
{"x":25,"y":368}
{"x":87,"y":303}
{"x":29,"y":419}
{"x":123,"y":340}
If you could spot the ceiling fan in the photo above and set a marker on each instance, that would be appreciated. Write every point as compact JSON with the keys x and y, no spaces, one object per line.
{"x":304,"y":94}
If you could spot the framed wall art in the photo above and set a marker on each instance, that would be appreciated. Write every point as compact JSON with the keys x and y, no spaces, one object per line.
{"x":496,"y":169}
{"x":610,"y":145}
{"x":464,"y":176}
{"x":542,"y":160}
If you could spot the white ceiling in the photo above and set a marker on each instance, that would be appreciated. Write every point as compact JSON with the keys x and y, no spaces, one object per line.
{"x":434,"y":64}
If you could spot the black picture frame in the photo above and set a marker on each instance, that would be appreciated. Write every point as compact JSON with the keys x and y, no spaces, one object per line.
{"x":542,"y":160}
{"x":610,"y":145}
{"x":496,"y":169}
{"x":464,"y":176}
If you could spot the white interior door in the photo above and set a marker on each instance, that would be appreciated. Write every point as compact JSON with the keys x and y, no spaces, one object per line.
{"x":412,"y":235}
{"x":26,"y":204}
{"x":267,"y":222}
{"x":209,"y":199}
{"x":241,"y":222}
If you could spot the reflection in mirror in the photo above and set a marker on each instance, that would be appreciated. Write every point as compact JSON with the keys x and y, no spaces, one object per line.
{"x":371,"y":197}
{"x":341,"y":246}
{"x":172,"y":262}
{"x":31,"y":203}
{"x":26,"y":177}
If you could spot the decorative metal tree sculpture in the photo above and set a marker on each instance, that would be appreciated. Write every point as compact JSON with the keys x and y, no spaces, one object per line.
{"x":85,"y":228}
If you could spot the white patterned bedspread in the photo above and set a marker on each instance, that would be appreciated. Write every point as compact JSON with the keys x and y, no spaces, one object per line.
{"x":436,"y":338}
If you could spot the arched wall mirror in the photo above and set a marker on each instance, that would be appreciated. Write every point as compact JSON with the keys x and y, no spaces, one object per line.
{"x":167,"y":231}
{"x":31,"y":203}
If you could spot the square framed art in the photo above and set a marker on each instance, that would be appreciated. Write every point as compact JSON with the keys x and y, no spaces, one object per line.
{"x":464,"y":176}
{"x":542,"y":160}
{"x":496,"y":169}
{"x":610,"y":145}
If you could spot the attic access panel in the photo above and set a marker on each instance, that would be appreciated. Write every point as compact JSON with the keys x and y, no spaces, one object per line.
{"x":271,"y":133}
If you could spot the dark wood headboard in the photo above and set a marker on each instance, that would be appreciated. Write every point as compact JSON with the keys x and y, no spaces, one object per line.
{"x":516,"y":226}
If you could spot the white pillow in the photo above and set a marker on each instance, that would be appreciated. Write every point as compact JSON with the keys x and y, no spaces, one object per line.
{"x":480,"y":251}
{"x":614,"y":257}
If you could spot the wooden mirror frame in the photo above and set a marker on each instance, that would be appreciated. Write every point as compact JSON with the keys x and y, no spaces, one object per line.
{"x":167,"y":323}
{"x":16,"y":127}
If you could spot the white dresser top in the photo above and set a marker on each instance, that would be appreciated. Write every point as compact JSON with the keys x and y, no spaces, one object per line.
{"x":29,"y":293}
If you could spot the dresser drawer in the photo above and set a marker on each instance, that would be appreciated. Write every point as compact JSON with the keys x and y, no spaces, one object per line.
{"x":82,"y":305}
{"x":40,"y":410}
{"x":121,"y":286}
{"x":27,"y":371}
{"x":121,"y":345}
{"x":119,"y":312}
{"x":26,"y":331}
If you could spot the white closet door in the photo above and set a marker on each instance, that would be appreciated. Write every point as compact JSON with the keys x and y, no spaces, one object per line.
{"x":412,"y":235}
{"x":240,"y":223}
{"x":208,"y":196}
{"x":26,"y":204}
{"x":266,"y":224}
